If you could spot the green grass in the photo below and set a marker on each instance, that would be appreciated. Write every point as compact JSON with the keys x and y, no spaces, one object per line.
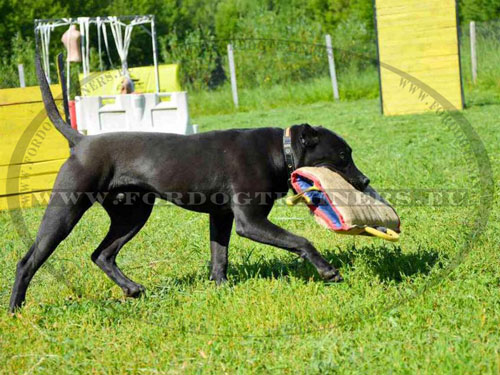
{"x":401,"y":309}
{"x":487,"y":88}
{"x":353,"y":85}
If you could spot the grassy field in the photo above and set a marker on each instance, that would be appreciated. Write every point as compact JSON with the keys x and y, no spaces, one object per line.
{"x":355,"y":84}
{"x":352,"y":86}
{"x":424,"y":305}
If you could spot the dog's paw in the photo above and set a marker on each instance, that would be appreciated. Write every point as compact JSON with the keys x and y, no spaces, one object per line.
{"x":219,"y":280}
{"x":332,"y":276}
{"x":134,"y":291}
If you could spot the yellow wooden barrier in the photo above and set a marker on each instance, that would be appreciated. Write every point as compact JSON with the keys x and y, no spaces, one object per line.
{"x":418,"y":37}
{"x":32,"y":150}
{"x":109,"y":82}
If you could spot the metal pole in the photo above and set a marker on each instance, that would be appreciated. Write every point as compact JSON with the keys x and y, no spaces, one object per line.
{"x":331,"y":63}
{"x":473,"y":56}
{"x":68,"y":75}
{"x":155,"y":55}
{"x":82,"y":48}
{"x":20,"y":69}
{"x":232,"y":72}
{"x":99,"y":44}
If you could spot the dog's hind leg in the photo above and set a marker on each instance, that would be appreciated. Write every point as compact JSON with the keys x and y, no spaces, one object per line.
{"x":220,"y":233}
{"x":65,"y":209}
{"x":126,"y":221}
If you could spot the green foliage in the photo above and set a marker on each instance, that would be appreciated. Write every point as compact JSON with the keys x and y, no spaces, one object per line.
{"x":355,"y":45}
{"x":22,"y":52}
{"x":18,"y":16}
{"x":269,"y":50}
{"x":281,"y":43}
{"x":276,"y":42}
{"x":333,"y":12}
{"x":479,"y":10}
{"x":197,"y":56}
{"x":228,"y":16}
{"x":300,"y":22}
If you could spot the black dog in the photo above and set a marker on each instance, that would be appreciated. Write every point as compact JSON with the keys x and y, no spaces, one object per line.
{"x":238,"y":167}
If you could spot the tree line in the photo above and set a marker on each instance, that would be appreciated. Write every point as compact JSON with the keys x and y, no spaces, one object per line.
{"x":195,"y":32}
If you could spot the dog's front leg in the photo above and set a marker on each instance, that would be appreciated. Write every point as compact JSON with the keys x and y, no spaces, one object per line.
{"x":252,"y":222}
{"x":220,"y":233}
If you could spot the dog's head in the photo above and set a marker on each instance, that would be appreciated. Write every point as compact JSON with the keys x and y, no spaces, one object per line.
{"x":321,"y":147}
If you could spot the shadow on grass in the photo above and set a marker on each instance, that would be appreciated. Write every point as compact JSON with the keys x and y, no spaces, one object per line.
{"x":387,"y":262}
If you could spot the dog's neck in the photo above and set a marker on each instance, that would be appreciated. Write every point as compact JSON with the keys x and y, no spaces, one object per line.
{"x":291,"y":151}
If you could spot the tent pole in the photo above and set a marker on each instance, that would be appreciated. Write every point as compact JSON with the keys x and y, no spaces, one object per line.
{"x":155,"y":55}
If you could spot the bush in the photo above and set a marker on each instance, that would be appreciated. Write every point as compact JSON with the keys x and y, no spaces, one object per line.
{"x":273,"y":44}
{"x":23,"y":52}
{"x":355,"y":45}
{"x":197,"y":56}
{"x":269,"y":50}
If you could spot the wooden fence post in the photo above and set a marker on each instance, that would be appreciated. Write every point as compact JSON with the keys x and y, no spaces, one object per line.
{"x":331,"y":63}
{"x":20,"y":69}
{"x":473,"y":56}
{"x":232,"y":73}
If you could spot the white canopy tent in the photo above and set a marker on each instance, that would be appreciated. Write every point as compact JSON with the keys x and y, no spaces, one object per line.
{"x":147,"y":112}
{"x":121,"y":29}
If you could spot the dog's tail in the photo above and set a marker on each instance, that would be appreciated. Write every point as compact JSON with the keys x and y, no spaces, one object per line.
{"x":62,"y":126}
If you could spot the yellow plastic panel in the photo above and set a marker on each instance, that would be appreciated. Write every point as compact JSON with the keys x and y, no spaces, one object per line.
{"x":110,"y":82}
{"x":32,"y":150}
{"x":418,"y":38}
{"x":24,"y":200}
{"x":27,"y":177}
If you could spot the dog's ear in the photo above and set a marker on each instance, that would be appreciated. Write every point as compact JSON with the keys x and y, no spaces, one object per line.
{"x":309,"y":136}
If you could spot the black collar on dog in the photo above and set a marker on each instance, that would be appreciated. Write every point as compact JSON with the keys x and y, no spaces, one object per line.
{"x":287,"y":150}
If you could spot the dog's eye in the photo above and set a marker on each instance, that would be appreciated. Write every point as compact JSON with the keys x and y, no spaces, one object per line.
{"x":342,"y":156}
